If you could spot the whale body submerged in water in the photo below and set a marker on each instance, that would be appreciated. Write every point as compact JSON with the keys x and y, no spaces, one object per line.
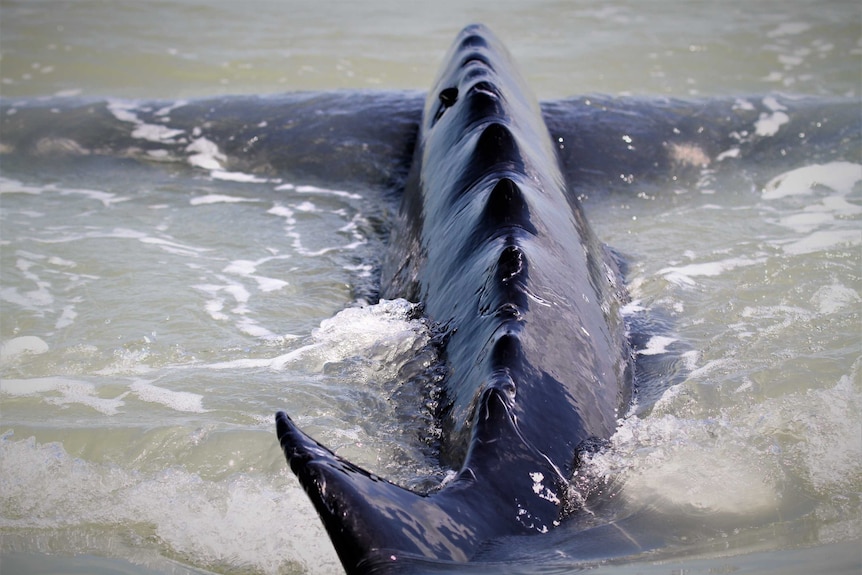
{"x":491,"y":240}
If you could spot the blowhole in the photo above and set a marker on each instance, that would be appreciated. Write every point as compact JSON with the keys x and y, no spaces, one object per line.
{"x":448,"y":97}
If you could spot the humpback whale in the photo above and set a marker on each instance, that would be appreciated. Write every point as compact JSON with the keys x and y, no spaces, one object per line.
{"x":492,"y":241}
{"x":488,"y":239}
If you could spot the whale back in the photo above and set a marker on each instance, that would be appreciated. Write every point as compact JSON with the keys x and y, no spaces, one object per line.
{"x":493,"y":244}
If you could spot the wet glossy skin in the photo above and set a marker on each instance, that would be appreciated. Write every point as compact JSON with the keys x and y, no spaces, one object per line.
{"x":499,"y":251}
{"x":494,"y":246}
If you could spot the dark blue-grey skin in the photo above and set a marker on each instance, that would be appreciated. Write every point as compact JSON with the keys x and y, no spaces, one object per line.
{"x":491,"y":239}
{"x":494,"y":245}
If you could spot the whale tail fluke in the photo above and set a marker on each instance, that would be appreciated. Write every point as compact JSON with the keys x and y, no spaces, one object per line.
{"x":373,"y":522}
{"x":370,"y":521}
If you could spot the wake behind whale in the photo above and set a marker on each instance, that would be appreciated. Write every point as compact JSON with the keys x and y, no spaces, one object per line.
{"x":491,"y":240}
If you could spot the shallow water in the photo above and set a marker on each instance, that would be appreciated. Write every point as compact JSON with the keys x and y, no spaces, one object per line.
{"x":155,"y":315}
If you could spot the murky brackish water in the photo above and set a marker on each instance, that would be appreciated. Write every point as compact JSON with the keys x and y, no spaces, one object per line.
{"x":165,"y":288}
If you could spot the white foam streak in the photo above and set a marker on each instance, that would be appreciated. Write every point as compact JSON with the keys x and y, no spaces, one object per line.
{"x":216,"y":305}
{"x":237,"y":177}
{"x":682,"y":275}
{"x":837,"y":176}
{"x":72,"y":391}
{"x":10,"y":186}
{"x":250,"y":327}
{"x":167,"y":245}
{"x":248,"y":268}
{"x":205,"y":154}
{"x":266,"y":284}
{"x":657,"y":345}
{"x":176,"y":400}
{"x":788,"y":29}
{"x":67,"y":317}
{"x":156,"y":133}
{"x":318,"y":191}
{"x":22,"y":345}
{"x":217,"y":199}
{"x":65,"y":391}
{"x":126,"y":112}
{"x":381,"y":332}
{"x":171,"y":246}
